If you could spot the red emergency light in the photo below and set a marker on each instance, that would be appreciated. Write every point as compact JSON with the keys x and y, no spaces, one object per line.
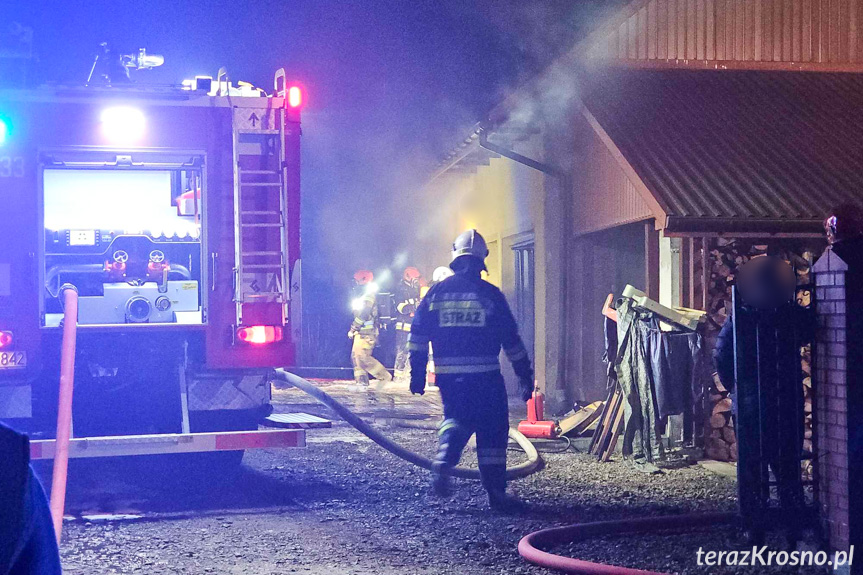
{"x":259,"y":334}
{"x":5,"y":339}
{"x":295,"y":97}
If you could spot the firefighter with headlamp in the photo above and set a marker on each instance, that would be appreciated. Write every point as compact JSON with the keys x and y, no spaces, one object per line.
{"x":467,"y":320}
{"x":407,"y":296}
{"x":364,"y":330}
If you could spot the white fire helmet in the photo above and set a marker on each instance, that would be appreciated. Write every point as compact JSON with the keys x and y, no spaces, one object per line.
{"x":470,"y":243}
{"x":441,"y":274}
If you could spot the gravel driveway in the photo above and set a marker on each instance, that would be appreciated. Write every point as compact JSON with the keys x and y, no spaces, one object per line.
{"x":343,"y":505}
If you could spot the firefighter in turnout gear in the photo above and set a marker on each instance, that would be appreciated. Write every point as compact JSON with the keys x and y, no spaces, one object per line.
{"x":407,"y":299}
{"x":364,"y":330}
{"x":467,"y":320}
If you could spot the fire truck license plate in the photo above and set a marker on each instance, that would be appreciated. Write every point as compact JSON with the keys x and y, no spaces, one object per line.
{"x":12,"y":359}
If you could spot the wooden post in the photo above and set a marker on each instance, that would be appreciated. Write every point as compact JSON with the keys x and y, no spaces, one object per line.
{"x":651,"y":260}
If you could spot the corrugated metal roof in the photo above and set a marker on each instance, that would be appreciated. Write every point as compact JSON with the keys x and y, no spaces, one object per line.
{"x":737,"y":151}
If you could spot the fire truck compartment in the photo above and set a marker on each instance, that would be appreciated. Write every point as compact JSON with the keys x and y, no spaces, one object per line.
{"x":130,"y":239}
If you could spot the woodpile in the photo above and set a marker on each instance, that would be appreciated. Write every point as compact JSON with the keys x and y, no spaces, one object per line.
{"x":806,"y":364}
{"x":724,"y":257}
{"x":721,"y":443}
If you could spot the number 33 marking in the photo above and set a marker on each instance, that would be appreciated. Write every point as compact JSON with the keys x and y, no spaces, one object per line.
{"x":11,"y":167}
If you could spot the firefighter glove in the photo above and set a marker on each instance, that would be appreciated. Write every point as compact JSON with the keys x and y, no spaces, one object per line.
{"x":525,"y":387}
{"x":418,"y":384}
{"x":351,"y":334}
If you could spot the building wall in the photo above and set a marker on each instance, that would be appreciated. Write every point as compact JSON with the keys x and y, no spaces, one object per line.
{"x":603,"y":195}
{"x":823,"y":33}
{"x":504,"y":202}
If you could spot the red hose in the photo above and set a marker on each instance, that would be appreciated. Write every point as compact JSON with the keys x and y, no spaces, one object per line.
{"x":64,"y":409}
{"x":527,"y":547}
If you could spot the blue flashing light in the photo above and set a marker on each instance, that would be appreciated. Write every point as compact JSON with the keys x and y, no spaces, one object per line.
{"x":4,"y":131}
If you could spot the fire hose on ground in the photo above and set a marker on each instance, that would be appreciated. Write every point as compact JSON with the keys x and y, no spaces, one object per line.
{"x":530,"y":546}
{"x":521,"y":470}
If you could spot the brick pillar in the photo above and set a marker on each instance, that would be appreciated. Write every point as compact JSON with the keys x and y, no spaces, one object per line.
{"x":831,"y":397}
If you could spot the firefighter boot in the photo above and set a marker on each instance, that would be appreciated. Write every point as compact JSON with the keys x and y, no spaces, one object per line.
{"x":441,"y":482}
{"x":498,"y":500}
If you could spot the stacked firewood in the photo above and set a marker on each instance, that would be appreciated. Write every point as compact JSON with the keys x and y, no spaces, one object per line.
{"x":721,"y":443}
{"x":724,"y":257}
{"x":806,"y":364}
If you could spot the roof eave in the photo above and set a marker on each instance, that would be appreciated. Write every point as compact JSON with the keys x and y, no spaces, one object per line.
{"x":677,"y":226}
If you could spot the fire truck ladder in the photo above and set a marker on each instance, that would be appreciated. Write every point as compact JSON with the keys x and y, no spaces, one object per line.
{"x":260,"y":272}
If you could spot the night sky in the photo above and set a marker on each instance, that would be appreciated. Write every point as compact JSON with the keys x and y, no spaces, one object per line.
{"x":391,"y":86}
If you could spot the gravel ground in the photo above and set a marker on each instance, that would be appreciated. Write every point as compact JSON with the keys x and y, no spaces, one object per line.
{"x":343,"y":505}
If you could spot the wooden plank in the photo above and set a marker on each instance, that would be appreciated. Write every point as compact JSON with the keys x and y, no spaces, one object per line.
{"x":615,"y":434}
{"x":806,"y":31}
{"x":694,"y":275}
{"x":815,"y":30}
{"x":853,"y":40}
{"x":778,"y":24}
{"x":691,"y":29}
{"x":651,"y":30}
{"x":578,"y":422}
{"x":788,"y":29}
{"x":796,"y":30}
{"x":700,"y":31}
{"x":651,"y":268}
{"x":604,"y":422}
{"x":754,"y":12}
{"x":844,"y":27}
{"x":721,"y":28}
{"x":671,"y":29}
{"x":641,"y":38}
{"x":829,"y":38}
{"x":662,"y":29}
{"x":632,"y":37}
{"x":766,"y":29}
{"x":836,"y":31}
{"x":730,"y":28}
{"x":685,"y":276}
{"x":681,"y":28}
{"x":614,"y":406}
{"x":710,"y":27}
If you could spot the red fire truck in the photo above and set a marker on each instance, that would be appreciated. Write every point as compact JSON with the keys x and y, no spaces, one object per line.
{"x":174,"y":212}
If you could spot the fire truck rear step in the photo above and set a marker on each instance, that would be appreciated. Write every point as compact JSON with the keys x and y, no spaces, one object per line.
{"x":296,"y":421}
{"x":172,"y":443}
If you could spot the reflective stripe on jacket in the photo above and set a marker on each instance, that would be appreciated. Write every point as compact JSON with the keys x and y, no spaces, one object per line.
{"x":468,"y":321}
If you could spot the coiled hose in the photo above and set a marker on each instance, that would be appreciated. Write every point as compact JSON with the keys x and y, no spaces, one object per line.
{"x":521,"y":470}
